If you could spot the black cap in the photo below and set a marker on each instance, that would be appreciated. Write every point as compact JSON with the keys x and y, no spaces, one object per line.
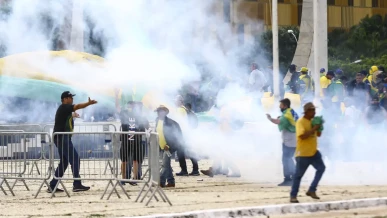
{"x":292,"y":67}
{"x":66,"y":94}
{"x":364,"y":72}
{"x":330,"y":73}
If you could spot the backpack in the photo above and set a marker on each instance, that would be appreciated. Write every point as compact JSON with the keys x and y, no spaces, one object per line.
{"x":192,"y":119}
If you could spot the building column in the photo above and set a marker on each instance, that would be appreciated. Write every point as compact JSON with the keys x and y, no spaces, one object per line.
{"x":305,"y":39}
{"x":77,"y":27}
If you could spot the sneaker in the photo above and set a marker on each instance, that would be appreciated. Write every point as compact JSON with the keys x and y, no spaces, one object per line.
{"x":286,"y":183}
{"x":162,"y":186}
{"x":182,"y":174}
{"x":132,"y":183}
{"x":80,"y":188}
{"x":58,"y":190}
{"x":312,"y":195}
{"x":207,"y":172}
{"x":194,"y":173}
{"x":294,"y":200}
{"x":170,"y":185}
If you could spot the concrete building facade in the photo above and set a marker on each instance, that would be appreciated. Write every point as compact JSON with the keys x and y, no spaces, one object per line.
{"x":242,"y":14}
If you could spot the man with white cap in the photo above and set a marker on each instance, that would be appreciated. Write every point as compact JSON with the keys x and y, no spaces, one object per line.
{"x":257,"y":82}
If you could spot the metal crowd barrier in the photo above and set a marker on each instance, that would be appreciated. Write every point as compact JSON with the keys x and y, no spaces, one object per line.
{"x":124,"y":147}
{"x":24,"y":127}
{"x":153,"y":184}
{"x":133,"y":148}
{"x":33,"y":155}
{"x":17,"y":150}
{"x":96,"y":149}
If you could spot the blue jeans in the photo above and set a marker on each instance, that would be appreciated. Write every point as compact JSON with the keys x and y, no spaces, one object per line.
{"x":301,"y":167}
{"x":166,"y":171}
{"x":288,"y":162}
{"x":67,"y":154}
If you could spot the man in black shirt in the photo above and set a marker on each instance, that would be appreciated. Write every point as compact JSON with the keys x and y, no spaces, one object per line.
{"x":358,"y":90}
{"x":64,"y":123}
{"x":293,"y":79}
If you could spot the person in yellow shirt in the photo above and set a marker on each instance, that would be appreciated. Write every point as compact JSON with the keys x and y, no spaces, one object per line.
{"x":325,"y":81}
{"x":307,"y":153}
{"x":305,"y":85}
{"x":371,"y":78}
{"x":181,"y":110}
{"x":170,"y":140}
{"x":322,"y":72}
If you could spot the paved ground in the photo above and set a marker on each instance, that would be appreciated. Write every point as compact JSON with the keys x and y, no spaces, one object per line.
{"x":373,"y":212}
{"x":189,"y":195}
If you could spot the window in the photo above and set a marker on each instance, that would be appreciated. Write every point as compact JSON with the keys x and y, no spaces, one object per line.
{"x":375,"y":3}
{"x":350,"y":2}
{"x":331,"y":2}
{"x":241,"y":34}
{"x":227,"y":10}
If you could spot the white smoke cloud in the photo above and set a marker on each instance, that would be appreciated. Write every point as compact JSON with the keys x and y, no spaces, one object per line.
{"x":157,"y":43}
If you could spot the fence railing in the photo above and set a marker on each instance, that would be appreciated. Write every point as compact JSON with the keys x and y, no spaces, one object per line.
{"x":99,"y":155}
{"x":19,"y":156}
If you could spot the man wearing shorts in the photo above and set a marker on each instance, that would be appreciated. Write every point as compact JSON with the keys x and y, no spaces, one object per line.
{"x":132,"y":148}
{"x":67,"y":153}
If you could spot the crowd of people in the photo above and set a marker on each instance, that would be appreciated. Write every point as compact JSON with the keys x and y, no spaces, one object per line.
{"x":364,"y":95}
{"x":342,"y":97}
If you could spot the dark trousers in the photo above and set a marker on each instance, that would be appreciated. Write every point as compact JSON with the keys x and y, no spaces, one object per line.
{"x":301,"y":167}
{"x":67,"y":154}
{"x":166,"y":174}
{"x":183,"y":164}
{"x":288,"y":162}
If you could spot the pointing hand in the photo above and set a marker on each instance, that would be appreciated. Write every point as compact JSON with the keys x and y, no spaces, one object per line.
{"x":92,"y":101}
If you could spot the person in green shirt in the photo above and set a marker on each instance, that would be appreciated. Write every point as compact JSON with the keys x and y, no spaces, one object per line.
{"x":336,"y":91}
{"x":287,"y":125}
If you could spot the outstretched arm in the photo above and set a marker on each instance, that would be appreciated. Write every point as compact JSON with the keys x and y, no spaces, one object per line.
{"x":83,"y":105}
{"x":275,"y":121}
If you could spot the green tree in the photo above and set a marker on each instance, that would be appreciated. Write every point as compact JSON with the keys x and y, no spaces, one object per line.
{"x":286,"y":44}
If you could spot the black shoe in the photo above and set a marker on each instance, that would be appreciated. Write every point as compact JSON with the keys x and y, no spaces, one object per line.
{"x":132,"y":183}
{"x":286,"y":183}
{"x":80,"y":188}
{"x":194,"y":173}
{"x":58,"y":190}
{"x":182,"y":174}
{"x":294,"y":200}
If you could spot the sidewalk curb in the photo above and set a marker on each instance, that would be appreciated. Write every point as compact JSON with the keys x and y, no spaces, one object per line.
{"x":280,"y":209}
